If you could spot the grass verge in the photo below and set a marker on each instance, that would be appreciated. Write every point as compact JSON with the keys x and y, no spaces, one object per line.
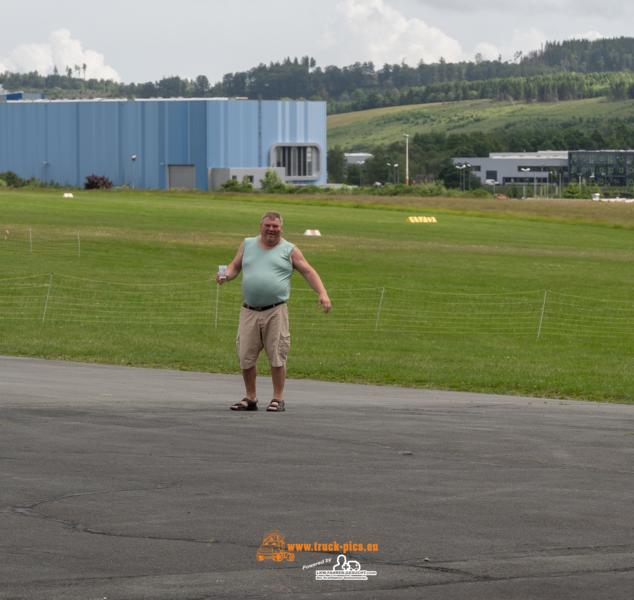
{"x":522,"y":297}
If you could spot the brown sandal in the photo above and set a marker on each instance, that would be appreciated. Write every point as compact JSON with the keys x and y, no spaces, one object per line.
{"x":275,"y":406}
{"x":245,"y":404}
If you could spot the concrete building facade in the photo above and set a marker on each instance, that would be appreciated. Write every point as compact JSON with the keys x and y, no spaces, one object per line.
{"x":163,"y":143}
{"x":601,"y":167}
{"x":506,"y":168}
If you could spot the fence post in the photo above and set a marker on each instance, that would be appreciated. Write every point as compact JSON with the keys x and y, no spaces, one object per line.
{"x":378,"y":310}
{"x":216,"y":313}
{"x":48,"y":295}
{"x":541,"y":318}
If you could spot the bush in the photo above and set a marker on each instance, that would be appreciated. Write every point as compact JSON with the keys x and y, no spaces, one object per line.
{"x":272,"y":183}
{"x":97,"y":182}
{"x":233,"y":185}
{"x":3,"y":183}
{"x":573,"y":190}
{"x":12,"y":180}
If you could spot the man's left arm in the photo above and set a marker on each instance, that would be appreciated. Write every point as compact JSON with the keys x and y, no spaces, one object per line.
{"x":311,"y":276}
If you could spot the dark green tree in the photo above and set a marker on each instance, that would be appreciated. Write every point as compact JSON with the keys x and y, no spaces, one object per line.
{"x":336,"y":165}
{"x":201,"y":87}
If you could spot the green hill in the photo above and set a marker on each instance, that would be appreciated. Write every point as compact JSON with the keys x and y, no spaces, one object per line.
{"x":385,"y":126}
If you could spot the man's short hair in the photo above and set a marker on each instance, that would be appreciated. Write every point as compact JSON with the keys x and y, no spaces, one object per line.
{"x":272,"y":215}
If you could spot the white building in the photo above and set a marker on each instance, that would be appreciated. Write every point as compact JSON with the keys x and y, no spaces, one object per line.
{"x":505,"y":168}
{"x":357,"y":158}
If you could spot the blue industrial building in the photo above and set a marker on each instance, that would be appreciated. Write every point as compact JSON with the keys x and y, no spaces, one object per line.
{"x":164,"y":143}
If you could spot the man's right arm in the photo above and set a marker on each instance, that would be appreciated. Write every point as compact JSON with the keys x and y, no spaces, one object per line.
{"x":233,"y":268}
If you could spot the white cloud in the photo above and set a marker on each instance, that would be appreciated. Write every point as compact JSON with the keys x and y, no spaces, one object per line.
{"x":588,"y":35}
{"x":487,"y":51}
{"x":61,"y":51}
{"x":521,"y":40}
{"x":526,"y":40}
{"x":373,"y":30}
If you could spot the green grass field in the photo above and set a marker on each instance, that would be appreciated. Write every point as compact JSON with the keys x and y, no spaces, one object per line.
{"x":521,"y":297}
{"x":364,"y":129}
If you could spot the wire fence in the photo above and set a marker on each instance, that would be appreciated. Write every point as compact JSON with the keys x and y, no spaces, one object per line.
{"x":25,"y":242}
{"x":63,"y":298}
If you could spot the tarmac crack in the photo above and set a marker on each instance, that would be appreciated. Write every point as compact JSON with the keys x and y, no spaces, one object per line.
{"x":78,"y":527}
{"x":31,"y":512}
{"x":469,"y":576}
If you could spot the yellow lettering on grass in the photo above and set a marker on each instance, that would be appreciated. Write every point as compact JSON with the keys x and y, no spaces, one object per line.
{"x":422,"y":219}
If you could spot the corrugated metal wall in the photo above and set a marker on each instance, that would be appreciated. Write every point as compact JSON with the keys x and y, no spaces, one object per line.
{"x":64,"y":141}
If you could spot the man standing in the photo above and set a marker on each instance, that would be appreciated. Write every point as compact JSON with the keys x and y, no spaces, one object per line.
{"x":267,"y":262}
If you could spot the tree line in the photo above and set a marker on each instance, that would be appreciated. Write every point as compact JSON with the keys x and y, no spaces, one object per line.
{"x":559,"y":71}
{"x":539,"y":88}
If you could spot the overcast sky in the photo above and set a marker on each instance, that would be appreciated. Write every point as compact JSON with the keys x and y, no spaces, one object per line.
{"x":139,"y":40}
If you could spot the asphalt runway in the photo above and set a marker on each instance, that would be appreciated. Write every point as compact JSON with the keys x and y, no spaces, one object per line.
{"x":122,"y":483}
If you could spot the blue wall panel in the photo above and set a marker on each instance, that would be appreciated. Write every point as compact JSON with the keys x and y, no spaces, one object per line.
{"x":198,"y":141}
{"x":147,"y":164}
{"x":64,"y":141}
{"x":61,"y":142}
{"x":98,"y":140}
{"x":177,"y":133}
{"x":130,"y":116}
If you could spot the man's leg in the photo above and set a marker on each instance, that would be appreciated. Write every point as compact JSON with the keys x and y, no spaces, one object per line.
{"x":277,"y":340}
{"x":248,"y":345}
{"x":278,"y":375}
{"x":249,"y":376}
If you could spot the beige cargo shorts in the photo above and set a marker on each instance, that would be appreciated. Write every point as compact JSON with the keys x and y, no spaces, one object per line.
{"x":266,"y":329}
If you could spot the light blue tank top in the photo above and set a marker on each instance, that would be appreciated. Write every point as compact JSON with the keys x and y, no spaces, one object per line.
{"x":266,"y":274}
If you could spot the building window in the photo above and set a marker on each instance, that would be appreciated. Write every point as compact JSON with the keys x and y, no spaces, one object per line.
{"x":491,"y":175}
{"x":296,"y":160}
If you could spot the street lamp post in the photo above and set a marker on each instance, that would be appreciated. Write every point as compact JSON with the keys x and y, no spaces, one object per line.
{"x":551,"y":175}
{"x":461,"y":169}
{"x":133,"y":159}
{"x":524,"y":170}
{"x":393,"y":167}
{"x":406,"y":158}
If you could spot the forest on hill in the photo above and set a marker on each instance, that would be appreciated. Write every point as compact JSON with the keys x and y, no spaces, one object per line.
{"x":571,"y":69}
